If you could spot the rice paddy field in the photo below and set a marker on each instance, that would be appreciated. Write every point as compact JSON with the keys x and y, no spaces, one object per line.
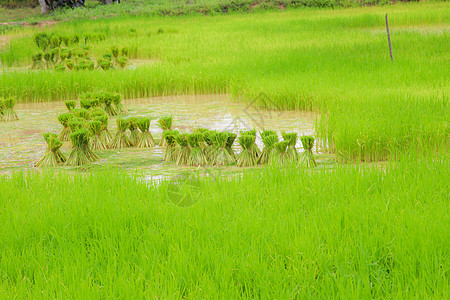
{"x":273,"y":154}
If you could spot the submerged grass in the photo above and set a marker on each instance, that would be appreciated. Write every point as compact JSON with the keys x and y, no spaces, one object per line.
{"x":354,"y":232}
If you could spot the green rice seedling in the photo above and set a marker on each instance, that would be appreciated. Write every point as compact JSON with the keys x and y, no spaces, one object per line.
{"x":201,"y":140}
{"x":55,"y":41}
{"x":9,"y":114}
{"x":134,"y":133}
{"x":146,"y":138}
{"x":70,"y":104}
{"x":37,"y":61}
{"x":291,"y":151}
{"x":81,"y":153}
{"x":170,"y":153}
{"x":121,"y":140}
{"x":269,"y":139}
{"x":209,"y":148}
{"x":107,"y":101}
{"x":221,"y":156}
{"x":117,"y":100}
{"x":196,"y":157}
{"x":184,"y":151}
{"x":115,"y":51}
{"x":65,"y":54}
{"x":64,"y":119}
{"x":247,"y":158}
{"x":81,"y":113}
{"x":105,"y":133}
{"x":280,"y":157}
{"x":86,"y":103}
{"x":254,"y":148}
{"x":96,"y":140}
{"x":230,"y":141}
{"x":53,"y":155}
{"x":42,"y":40}
{"x":104,"y":64}
{"x":165,"y":123}
{"x":307,"y":157}
{"x":70,"y":64}
{"x":124,"y":51}
{"x":122,"y":61}
{"x":60,"y":68}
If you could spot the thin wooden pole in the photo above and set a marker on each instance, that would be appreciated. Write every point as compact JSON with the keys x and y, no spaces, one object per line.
{"x":389,"y":38}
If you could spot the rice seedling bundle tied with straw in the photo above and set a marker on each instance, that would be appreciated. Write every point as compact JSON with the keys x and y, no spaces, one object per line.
{"x":209,"y":148}
{"x":165,"y":123}
{"x":81,"y":153}
{"x":134,"y":133}
{"x":53,"y":155}
{"x":253,"y":148}
{"x":107,"y":100}
{"x":117,"y":100}
{"x":146,"y":138}
{"x":105,"y":134}
{"x":183,"y":151}
{"x":196,"y":157}
{"x":222,"y":156}
{"x":307,"y":157}
{"x":96,"y":141}
{"x":121,"y":140}
{"x":248,"y":157}
{"x":70,"y":104}
{"x":269,"y":139}
{"x":291,"y":139}
{"x":64,"y":119}
{"x":7,"y":112}
{"x":170,"y":153}
{"x":280,"y":157}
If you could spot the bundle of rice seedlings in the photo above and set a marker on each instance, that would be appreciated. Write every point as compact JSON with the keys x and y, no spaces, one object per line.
{"x":209,"y":148}
{"x":37,"y":61}
{"x":254,"y":148}
{"x":81,"y":113}
{"x":184,"y":151}
{"x":291,"y":151}
{"x":53,"y":155}
{"x":165,"y":123}
{"x":81,"y":153}
{"x":134,"y":133}
{"x":230,"y":141}
{"x":307,"y":157}
{"x":64,"y":119}
{"x":96,"y":141}
{"x":170,"y":153}
{"x":107,"y":101}
{"x":146,"y":138}
{"x":280,"y":157}
{"x":121,"y":140}
{"x":247,"y":158}
{"x":86,"y":103}
{"x":122,"y":61}
{"x":8,"y":112}
{"x":269,"y":139}
{"x":70,"y":104}
{"x":222,"y":156}
{"x":117,"y":100}
{"x":76,"y":124}
{"x":196,"y":157}
{"x":105,"y":134}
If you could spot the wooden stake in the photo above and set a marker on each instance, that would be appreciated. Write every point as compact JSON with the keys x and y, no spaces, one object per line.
{"x":389,"y":37}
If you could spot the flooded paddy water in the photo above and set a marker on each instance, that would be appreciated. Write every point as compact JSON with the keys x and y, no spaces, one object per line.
{"x":22,"y":144}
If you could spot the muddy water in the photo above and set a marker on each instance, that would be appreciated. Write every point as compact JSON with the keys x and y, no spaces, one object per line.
{"x":22,"y":144}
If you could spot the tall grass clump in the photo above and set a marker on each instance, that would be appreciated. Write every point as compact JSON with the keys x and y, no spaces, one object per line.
{"x":53,"y":155}
{"x":64,"y":119}
{"x":165,"y":123}
{"x":145,"y":138}
{"x":184,"y":151}
{"x":81,"y":153}
{"x":170,"y":152}
{"x":307,"y":157}
{"x":197,"y":156}
{"x":7,"y":112}
{"x":121,"y":139}
{"x":248,"y":157}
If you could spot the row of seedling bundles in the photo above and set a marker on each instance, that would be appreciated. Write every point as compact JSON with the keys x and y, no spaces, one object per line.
{"x":210,"y":147}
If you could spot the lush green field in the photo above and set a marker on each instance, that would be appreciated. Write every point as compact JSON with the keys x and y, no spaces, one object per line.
{"x":354,"y":232}
{"x":333,"y":61}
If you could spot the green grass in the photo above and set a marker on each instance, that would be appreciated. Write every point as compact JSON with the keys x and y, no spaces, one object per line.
{"x":334,"y":61}
{"x":354,"y":232}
